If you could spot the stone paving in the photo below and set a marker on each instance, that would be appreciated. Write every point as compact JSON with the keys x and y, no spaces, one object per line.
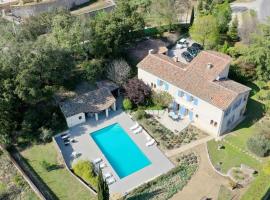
{"x":88,"y":149}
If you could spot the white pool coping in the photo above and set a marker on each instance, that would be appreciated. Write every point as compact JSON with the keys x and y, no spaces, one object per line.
{"x":88,"y":149}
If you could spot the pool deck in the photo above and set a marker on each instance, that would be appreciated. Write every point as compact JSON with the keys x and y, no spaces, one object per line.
{"x":88,"y":149}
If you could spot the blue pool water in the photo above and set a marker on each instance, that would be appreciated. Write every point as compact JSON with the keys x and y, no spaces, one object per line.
{"x":119,"y":149}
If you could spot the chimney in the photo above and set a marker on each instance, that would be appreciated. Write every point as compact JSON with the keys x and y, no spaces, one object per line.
{"x":210,"y":66}
{"x":176,"y":59}
{"x":151,"y":51}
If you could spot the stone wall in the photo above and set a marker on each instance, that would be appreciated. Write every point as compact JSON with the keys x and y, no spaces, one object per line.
{"x":37,"y":8}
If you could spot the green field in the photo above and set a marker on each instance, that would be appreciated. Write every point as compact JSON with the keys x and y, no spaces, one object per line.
{"x":60,"y":181}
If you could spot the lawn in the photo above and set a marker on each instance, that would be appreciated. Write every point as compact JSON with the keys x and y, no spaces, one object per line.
{"x":229,"y":156}
{"x":60,"y":181}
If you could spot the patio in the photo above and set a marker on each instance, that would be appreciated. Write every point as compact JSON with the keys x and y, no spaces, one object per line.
{"x":174,"y":125}
{"x":88,"y":149}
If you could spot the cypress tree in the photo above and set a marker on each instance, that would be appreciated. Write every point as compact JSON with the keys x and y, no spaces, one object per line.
{"x":103,"y":189}
{"x":233,"y":31}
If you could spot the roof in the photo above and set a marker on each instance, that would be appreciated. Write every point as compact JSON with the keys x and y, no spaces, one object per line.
{"x":107,"y":84}
{"x":91,"y":102}
{"x":196,"y":78}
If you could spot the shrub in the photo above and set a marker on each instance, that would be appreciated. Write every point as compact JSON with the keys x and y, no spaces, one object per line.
{"x":137,"y":91}
{"x":162,"y":99}
{"x":127,"y":104}
{"x":85,"y":170}
{"x":259,"y":145}
{"x":118,"y":71}
{"x":140,"y":114}
{"x":45,"y":134}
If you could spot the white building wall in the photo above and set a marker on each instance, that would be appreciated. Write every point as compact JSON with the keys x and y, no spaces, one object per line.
{"x":75,"y":119}
{"x":205,"y":111}
{"x":235,"y":114}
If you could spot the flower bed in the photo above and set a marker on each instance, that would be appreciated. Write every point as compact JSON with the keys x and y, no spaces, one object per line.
{"x":165,"y":186}
{"x":166,"y":138}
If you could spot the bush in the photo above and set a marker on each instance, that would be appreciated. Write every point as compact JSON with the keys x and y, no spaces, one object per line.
{"x":140,"y":114}
{"x":85,"y":170}
{"x":45,"y":134}
{"x":127,"y":104}
{"x":45,"y":165}
{"x":259,"y":145}
{"x":137,"y":91}
{"x":118,"y":71}
{"x":162,"y":99}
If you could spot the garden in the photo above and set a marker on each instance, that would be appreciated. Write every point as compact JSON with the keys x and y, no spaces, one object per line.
{"x":165,"y":186}
{"x":59,"y":181}
{"x":165,"y":137}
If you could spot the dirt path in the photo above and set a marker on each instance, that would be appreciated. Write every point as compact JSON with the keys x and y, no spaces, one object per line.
{"x":205,"y":183}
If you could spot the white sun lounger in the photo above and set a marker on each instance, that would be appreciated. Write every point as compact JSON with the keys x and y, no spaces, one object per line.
{"x":110,"y":180}
{"x":97,"y":160}
{"x":65,"y":136}
{"x":107,"y":175}
{"x":138,"y":130}
{"x":102,"y":165}
{"x":134,"y":126}
{"x":150,"y":143}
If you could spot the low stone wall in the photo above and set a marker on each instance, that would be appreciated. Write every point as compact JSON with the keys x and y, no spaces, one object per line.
{"x":24,"y":175}
{"x":41,"y":7}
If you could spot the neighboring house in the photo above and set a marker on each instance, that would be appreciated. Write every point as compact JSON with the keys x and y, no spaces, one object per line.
{"x":201,"y":90}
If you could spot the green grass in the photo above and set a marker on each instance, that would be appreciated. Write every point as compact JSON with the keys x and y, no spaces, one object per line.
{"x":60,"y":181}
{"x":258,"y":188}
{"x":230,"y":157}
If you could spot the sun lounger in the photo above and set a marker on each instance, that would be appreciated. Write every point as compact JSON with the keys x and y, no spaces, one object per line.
{"x":134,"y":126}
{"x":102,"y":165}
{"x":150,"y":143}
{"x":66,"y":143}
{"x":97,"y":160}
{"x":107,"y":175}
{"x":110,"y":180}
{"x":65,"y":136}
{"x":138,"y":130}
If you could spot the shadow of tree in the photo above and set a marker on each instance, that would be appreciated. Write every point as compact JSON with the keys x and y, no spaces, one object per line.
{"x":54,"y":167}
{"x":146,"y":195}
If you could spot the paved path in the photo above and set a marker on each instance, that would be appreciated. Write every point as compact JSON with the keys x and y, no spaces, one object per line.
{"x":205,"y":182}
{"x":262,"y":7}
{"x":188,"y":146}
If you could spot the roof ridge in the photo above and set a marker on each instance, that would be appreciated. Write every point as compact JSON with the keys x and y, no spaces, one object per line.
{"x":215,"y":82}
{"x":215,"y":54}
{"x":163,"y":59}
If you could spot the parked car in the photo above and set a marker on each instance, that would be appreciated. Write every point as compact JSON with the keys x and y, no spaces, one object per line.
{"x":186,"y":55}
{"x":193,"y":51}
{"x":197,"y":46}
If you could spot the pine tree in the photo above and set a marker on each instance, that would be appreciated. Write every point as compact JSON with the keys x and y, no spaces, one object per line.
{"x":103,"y":189}
{"x":233,"y":31}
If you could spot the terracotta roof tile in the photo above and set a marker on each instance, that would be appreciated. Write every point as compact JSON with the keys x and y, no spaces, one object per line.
{"x":195,"y":78}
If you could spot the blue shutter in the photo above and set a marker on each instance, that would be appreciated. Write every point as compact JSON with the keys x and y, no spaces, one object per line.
{"x":166,"y":86}
{"x":190,"y":115}
{"x":195,"y":102}
{"x":187,"y":97}
{"x":179,"y":93}
{"x":158,"y":82}
{"x":182,"y":111}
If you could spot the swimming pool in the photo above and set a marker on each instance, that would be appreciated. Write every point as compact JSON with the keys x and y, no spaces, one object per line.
{"x":123,"y":154}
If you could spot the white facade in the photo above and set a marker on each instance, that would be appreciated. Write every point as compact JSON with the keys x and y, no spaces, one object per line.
{"x":75,"y":119}
{"x":203,"y":114}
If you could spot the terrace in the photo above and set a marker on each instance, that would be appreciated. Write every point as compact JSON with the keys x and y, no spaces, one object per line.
{"x":88,"y":149}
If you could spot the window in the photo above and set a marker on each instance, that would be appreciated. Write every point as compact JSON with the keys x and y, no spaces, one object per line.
{"x":195,"y":102}
{"x":215,"y":124}
{"x":166,"y":86}
{"x":227,"y":112}
{"x":159,"y":82}
{"x":237,"y":103}
{"x":197,"y":116}
{"x":211,"y":122}
{"x":80,"y":117}
{"x":246,"y":97}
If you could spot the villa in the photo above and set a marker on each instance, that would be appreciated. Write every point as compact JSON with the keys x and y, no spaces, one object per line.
{"x":201,"y":89}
